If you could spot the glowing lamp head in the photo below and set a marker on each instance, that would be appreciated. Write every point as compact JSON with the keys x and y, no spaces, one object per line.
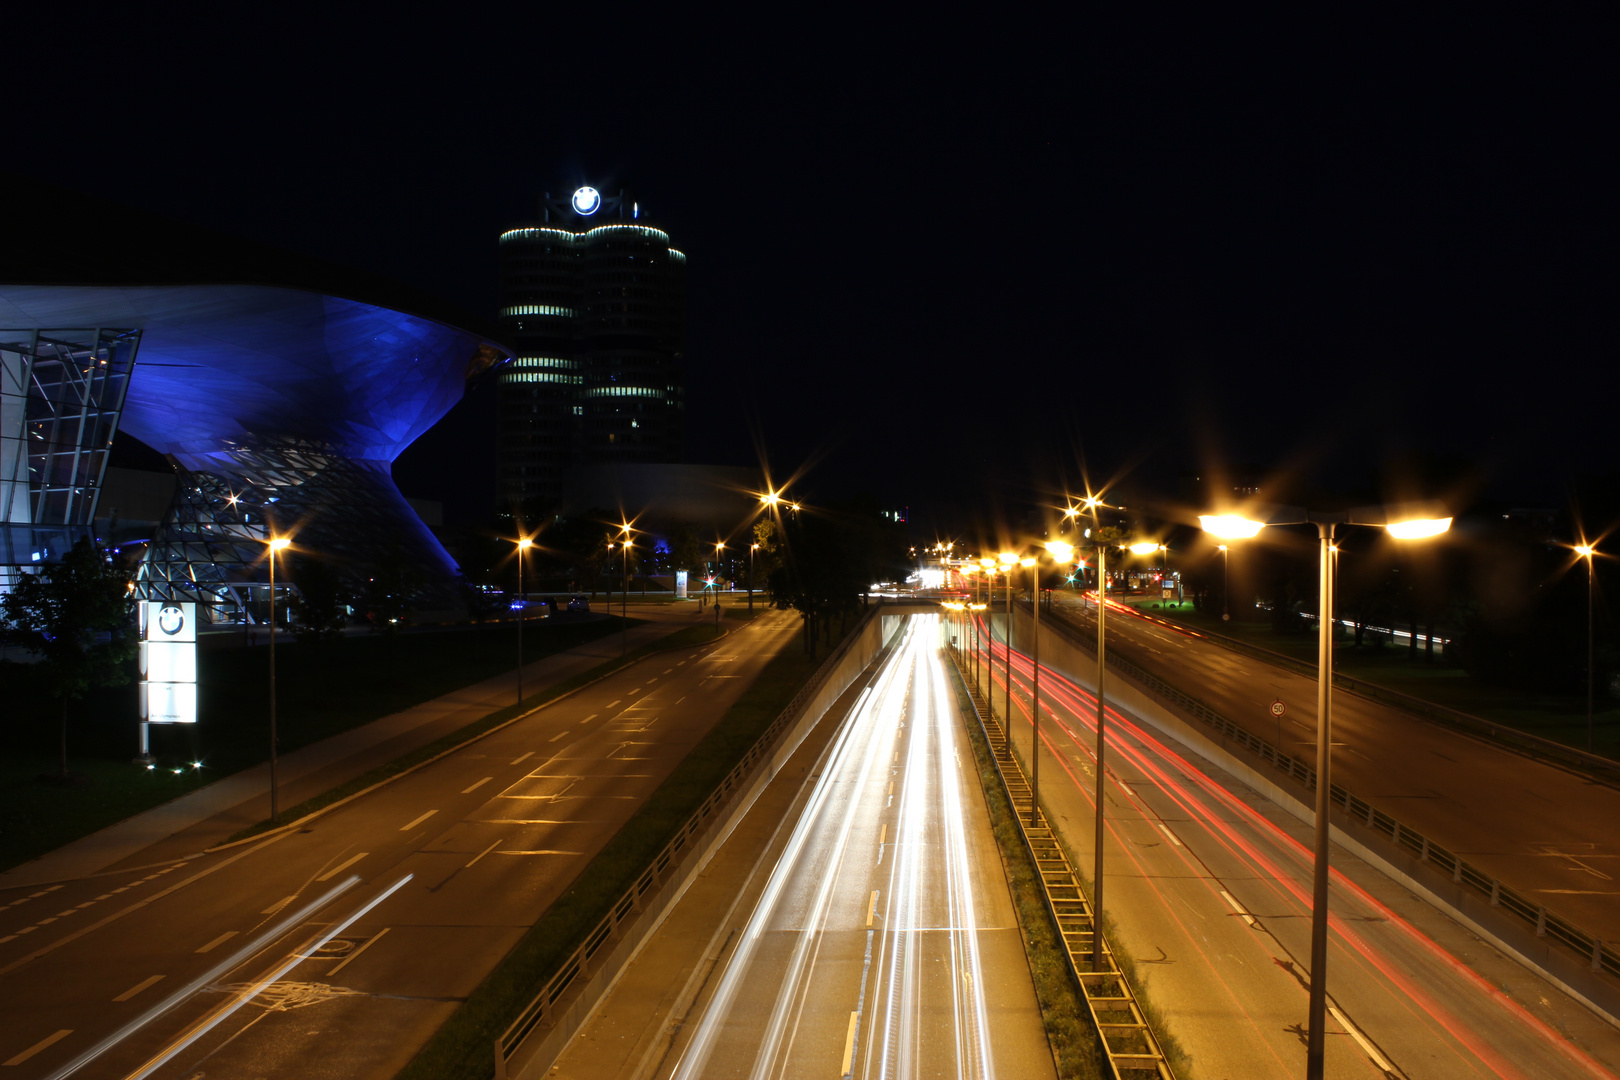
{"x":1008,"y":558}
{"x":279,"y":543}
{"x":587,"y":201}
{"x":1418,"y":528}
{"x":1585,"y":551}
{"x":1026,"y":563}
{"x":988,"y":563}
{"x":525,"y":543}
{"x":770,"y":498}
{"x":1230,"y":526}
{"x":1144,"y":548}
{"x":1061,"y":551}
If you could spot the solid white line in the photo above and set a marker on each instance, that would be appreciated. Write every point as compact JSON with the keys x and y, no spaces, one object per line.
{"x":336,"y":870}
{"x":227,"y":935}
{"x":418,"y":821}
{"x":137,"y":988}
{"x":525,"y":757}
{"x":481,"y":854}
{"x":475,"y":787}
{"x":49,"y":1040}
{"x":368,"y":943}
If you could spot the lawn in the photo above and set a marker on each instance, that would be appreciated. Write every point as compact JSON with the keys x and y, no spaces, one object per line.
{"x":321,"y":691}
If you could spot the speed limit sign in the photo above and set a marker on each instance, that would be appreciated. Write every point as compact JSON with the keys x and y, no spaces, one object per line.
{"x":1278,"y":708}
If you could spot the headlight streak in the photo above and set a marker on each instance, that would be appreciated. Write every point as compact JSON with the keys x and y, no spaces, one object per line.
{"x":1075,"y":698}
{"x":876,"y":702}
{"x":237,"y":958}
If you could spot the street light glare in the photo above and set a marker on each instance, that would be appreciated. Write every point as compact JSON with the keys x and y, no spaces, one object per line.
{"x":1585,"y":551}
{"x":770,"y":498}
{"x":1008,"y":558}
{"x":1229,"y":526}
{"x":1147,"y":547}
{"x":1061,"y":551}
{"x":279,"y":542}
{"x":525,"y":542}
{"x":1027,"y":562}
{"x":1418,"y":528}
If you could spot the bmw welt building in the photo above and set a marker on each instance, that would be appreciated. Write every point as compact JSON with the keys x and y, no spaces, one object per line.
{"x":279,"y":388}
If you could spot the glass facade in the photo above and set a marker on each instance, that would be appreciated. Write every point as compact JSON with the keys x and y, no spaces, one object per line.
{"x":61,"y":392}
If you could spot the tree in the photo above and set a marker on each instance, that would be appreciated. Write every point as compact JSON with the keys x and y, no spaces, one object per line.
{"x":321,"y":602}
{"x":74,"y":615}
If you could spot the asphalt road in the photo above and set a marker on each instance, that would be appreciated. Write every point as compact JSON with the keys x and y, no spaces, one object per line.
{"x":883,"y":941}
{"x":1209,"y":887}
{"x":1548,"y":832}
{"x":443,"y":871}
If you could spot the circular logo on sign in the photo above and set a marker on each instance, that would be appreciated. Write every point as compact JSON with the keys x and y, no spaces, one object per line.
{"x":587,"y":201}
{"x":1278,"y":708}
{"x":170,"y":619}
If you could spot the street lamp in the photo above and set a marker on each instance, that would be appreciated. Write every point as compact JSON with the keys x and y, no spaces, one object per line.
{"x":1091,"y":502}
{"x":524,"y":543}
{"x":1007,"y":561}
{"x":1588,"y":552}
{"x":1062,"y":553}
{"x":751,"y":549}
{"x":1235,"y":527}
{"x":276,"y":543}
{"x":1226,"y":610}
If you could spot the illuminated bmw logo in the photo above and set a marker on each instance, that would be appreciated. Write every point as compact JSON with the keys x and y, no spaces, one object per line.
{"x":171,"y":620}
{"x":587,"y":201}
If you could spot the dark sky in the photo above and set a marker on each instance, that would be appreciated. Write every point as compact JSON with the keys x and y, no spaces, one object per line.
{"x":942,"y":258}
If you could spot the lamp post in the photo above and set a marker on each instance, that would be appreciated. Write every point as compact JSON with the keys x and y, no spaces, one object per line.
{"x":1587,"y":552}
{"x":1008,"y":560}
{"x":1092,"y":503}
{"x":1226,"y":610}
{"x":751,"y":549}
{"x":524,"y":543}
{"x":1234,"y":526}
{"x":276,"y":543}
{"x":1062,"y":552}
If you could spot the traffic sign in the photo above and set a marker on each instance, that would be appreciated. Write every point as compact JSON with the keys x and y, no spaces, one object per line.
{"x":1278,"y":708}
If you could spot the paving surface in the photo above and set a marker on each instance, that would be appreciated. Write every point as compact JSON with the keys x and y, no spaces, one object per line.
{"x":483,"y":840}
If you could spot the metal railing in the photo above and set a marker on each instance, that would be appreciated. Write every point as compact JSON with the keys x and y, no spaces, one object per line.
{"x":1589,"y":947}
{"x":1127,"y":1038}
{"x":577,"y":964}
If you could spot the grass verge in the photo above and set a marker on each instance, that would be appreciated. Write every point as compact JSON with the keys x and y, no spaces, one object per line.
{"x":462,"y":1048}
{"x":686,"y":637}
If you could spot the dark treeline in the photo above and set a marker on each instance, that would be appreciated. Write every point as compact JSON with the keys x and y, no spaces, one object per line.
{"x":830,"y":557}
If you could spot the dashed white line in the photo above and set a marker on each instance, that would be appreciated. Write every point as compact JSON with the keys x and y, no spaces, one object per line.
{"x":352,"y":957}
{"x":475,"y":787}
{"x":589,"y":718}
{"x":137,"y":988}
{"x":278,"y":905}
{"x":559,"y":735}
{"x":49,"y":1040}
{"x":1238,"y":908}
{"x":525,"y":757}
{"x":613,"y":703}
{"x":1361,"y":1041}
{"x":1168,"y":834}
{"x":408,"y":826}
{"x":227,"y":935}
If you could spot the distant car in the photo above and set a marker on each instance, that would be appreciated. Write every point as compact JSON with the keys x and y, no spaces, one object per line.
{"x":578,"y":603}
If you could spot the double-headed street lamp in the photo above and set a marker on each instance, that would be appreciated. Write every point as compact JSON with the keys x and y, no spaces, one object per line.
{"x":1236,"y":527}
{"x":275,"y":544}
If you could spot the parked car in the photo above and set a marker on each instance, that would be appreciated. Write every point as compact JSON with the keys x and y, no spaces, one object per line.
{"x":578,"y":603}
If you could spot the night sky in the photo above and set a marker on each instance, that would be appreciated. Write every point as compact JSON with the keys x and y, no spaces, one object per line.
{"x":945,"y":261}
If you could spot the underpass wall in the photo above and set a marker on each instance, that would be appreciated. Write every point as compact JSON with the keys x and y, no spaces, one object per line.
{"x":1568,"y":973}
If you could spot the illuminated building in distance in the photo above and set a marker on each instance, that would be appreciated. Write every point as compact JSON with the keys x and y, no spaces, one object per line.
{"x":593,"y":300}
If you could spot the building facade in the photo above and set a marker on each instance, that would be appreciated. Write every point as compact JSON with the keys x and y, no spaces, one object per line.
{"x":593,"y":299}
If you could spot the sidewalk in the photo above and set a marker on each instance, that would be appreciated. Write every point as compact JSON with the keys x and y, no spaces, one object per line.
{"x":211,"y":815}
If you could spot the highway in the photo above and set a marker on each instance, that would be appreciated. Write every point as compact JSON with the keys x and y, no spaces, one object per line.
{"x":882,"y":942}
{"x":422,"y":886}
{"x":1209,"y":885}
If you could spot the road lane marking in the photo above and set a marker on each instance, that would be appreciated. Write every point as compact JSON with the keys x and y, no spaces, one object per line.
{"x":559,"y":735}
{"x":227,"y":935}
{"x":352,"y":957}
{"x":137,"y":988}
{"x":589,"y":718}
{"x":278,"y":905}
{"x":1168,"y":834}
{"x":336,"y":870}
{"x":883,"y":833}
{"x":480,"y":855}
{"x":683,"y":698}
{"x":871,"y":913}
{"x":475,"y":787}
{"x":1361,"y":1041}
{"x":411,"y":825}
{"x":849,"y":1044}
{"x":652,"y":680}
{"x":1238,"y":908}
{"x":52,"y":919}
{"x":525,"y":757}
{"x":49,"y":1040}
{"x":891,"y":789}
{"x":613,"y":703}
{"x":86,"y":904}
{"x":668,"y":670}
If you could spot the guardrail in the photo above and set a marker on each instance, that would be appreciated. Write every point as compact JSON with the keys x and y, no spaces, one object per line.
{"x":1508,"y":736}
{"x":1601,"y":957}
{"x":1128,"y":1039}
{"x":629,"y":905}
